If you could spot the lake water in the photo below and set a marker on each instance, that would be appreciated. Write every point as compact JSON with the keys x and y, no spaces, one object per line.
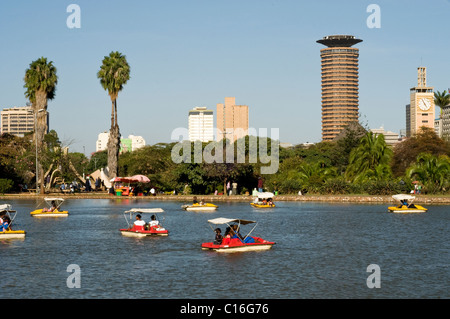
{"x":322,"y":251}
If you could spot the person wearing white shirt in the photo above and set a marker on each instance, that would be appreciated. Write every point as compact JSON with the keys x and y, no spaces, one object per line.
{"x":139,"y":221}
{"x":153,"y":222}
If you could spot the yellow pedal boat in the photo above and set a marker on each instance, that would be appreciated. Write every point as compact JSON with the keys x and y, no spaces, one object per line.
{"x":54,"y":209}
{"x":263,"y":205}
{"x":406,"y":206}
{"x":264,"y":200}
{"x":8,"y":215}
{"x":206,"y":207}
{"x":12,"y":234}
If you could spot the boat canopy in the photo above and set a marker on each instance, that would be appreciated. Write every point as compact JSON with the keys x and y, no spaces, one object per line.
{"x":403,"y":197}
{"x":5,"y":208}
{"x":136,"y":211}
{"x":58,"y":201}
{"x":49,"y":199}
{"x":222,"y":220}
{"x":266,"y":195}
{"x":145,"y":210}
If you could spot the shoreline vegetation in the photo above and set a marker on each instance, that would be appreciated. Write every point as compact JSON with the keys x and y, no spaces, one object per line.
{"x":356,"y":198}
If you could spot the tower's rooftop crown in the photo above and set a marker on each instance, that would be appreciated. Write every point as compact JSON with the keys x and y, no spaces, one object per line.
{"x":339,"y":40}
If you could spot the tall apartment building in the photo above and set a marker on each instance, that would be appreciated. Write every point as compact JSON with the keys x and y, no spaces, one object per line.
{"x":421,"y":109}
{"x":201,"y":124}
{"x":340,"y":86}
{"x":18,"y":120}
{"x":232,"y":120}
{"x":445,"y":122}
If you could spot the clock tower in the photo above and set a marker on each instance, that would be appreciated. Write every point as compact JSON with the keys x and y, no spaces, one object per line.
{"x":421,"y":111}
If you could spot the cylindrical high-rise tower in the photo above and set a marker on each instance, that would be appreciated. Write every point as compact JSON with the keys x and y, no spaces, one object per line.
{"x":339,"y":84}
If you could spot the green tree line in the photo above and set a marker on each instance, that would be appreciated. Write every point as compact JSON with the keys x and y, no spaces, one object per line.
{"x":358,"y":162}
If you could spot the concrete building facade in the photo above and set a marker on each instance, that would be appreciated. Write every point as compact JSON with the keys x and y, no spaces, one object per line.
{"x":232,"y":120}
{"x":129,"y":144}
{"x":201,"y":124}
{"x":446,"y":123}
{"x":18,"y":120}
{"x":391,"y":138}
{"x":340,"y":84}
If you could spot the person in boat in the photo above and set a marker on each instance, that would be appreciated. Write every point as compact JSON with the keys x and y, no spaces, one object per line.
{"x":202,"y":202}
{"x":6,"y":221}
{"x":219,"y":238}
{"x":139,"y":221}
{"x":195,"y":201}
{"x":235,"y":232}
{"x":226,"y":239}
{"x":153,"y":222}
{"x":270,"y":202}
{"x":52,"y":207}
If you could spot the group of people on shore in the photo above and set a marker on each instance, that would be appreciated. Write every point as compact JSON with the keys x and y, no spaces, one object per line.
{"x":77,"y":187}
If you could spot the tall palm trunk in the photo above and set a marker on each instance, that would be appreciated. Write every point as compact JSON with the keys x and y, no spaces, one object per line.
{"x":40,"y":109}
{"x":113,"y":142}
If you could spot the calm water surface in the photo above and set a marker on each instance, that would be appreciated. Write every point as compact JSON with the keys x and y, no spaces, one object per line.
{"x":322,"y":251}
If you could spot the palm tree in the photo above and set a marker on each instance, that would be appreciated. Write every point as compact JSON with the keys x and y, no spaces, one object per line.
{"x":369,"y":160}
{"x":114,"y":74}
{"x":311,"y":175}
{"x":430,"y":169}
{"x":40,"y":83}
{"x":441,"y":99}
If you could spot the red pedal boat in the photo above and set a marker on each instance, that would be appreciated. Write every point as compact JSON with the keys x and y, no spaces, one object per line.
{"x":233,"y":241}
{"x":152,"y":228}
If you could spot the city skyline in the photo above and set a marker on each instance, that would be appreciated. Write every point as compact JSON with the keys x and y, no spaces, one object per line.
{"x":184,"y":55}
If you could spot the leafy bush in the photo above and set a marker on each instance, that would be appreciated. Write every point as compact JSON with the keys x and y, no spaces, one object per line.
{"x":336,"y":185}
{"x":5,"y":185}
{"x":290,"y":186}
{"x":382,"y":187}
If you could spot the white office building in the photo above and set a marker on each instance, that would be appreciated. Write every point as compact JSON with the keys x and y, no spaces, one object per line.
{"x":18,"y":120}
{"x":136,"y":142}
{"x":390,"y":138}
{"x":131,"y":143}
{"x":102,"y":141}
{"x":201,"y":124}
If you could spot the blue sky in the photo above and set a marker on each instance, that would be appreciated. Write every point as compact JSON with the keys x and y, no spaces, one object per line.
{"x":192,"y":53}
